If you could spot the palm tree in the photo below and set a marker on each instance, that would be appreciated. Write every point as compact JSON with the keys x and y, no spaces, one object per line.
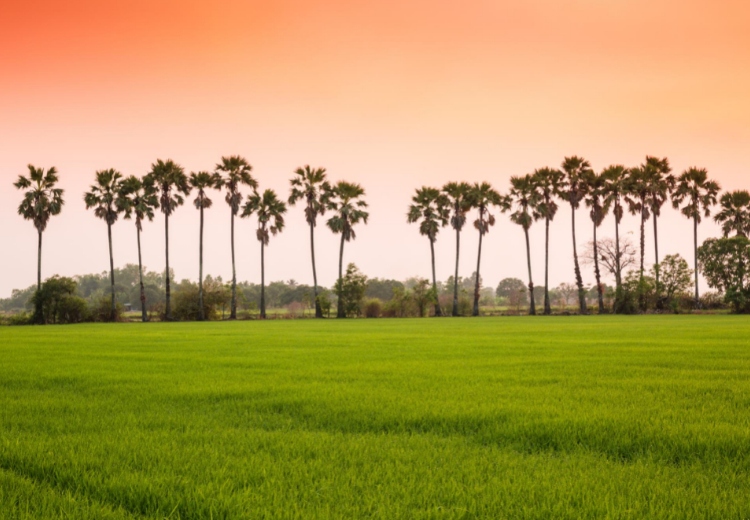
{"x":270,"y":210}
{"x":525,"y":197}
{"x":171,"y":182}
{"x":433,"y":208}
{"x":202,"y":181}
{"x":40,"y":202}
{"x":734,"y":215}
{"x":349,"y":208}
{"x":458,"y":198}
{"x":636,"y":197}
{"x":614,"y":189}
{"x":311,"y":184}
{"x":138,"y":197}
{"x":573,"y":188}
{"x":596,"y":200}
{"x":483,"y":196}
{"x":660,"y":184}
{"x":699,"y":194}
{"x":548,"y":182}
{"x":234,"y":171}
{"x":103,"y":197}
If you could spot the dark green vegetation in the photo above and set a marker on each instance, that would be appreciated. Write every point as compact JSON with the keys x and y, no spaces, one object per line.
{"x":589,"y":417}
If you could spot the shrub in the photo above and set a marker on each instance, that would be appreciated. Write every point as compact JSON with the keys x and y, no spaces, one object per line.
{"x":101,"y":310}
{"x":22,"y":318}
{"x":56,"y":302}
{"x":373,"y":308}
{"x":295,"y":309}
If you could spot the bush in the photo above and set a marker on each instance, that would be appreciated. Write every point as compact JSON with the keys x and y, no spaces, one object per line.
{"x":373,"y":308}
{"x":101,"y":310}
{"x":56,"y":302}
{"x":712,"y":301}
{"x":22,"y":318}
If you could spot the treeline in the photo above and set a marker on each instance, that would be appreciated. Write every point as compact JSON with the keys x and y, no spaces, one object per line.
{"x":642,"y":191}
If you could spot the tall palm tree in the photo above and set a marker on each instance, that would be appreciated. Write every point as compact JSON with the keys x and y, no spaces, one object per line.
{"x":202,"y":181}
{"x":548,"y":181}
{"x":235,"y":172}
{"x":433,"y":209}
{"x":614,"y":189}
{"x":460,"y":203}
{"x":349,"y":209}
{"x":311,"y":185}
{"x":103,"y":198}
{"x":138,"y":198}
{"x":660,"y":184}
{"x":40,"y":202}
{"x":483,"y":196}
{"x":573,"y":188}
{"x":171,"y":182}
{"x":699,"y":194}
{"x":525,"y":198}
{"x":596,"y":200}
{"x":270,"y":211}
{"x":636,"y":197}
{"x":734,"y":215}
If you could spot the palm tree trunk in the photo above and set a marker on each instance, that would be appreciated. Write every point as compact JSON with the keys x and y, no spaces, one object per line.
{"x":547,"y":304}
{"x":579,"y":280}
{"x":618,"y":267}
{"x":318,"y":310}
{"x":168,"y":308}
{"x":233,"y":307}
{"x":201,"y":310}
{"x":695,"y":261}
{"x":144,"y":315}
{"x":113,"y":310}
{"x":641,"y":296}
{"x":656,"y":254}
{"x":340,"y":282}
{"x":475,"y":311}
{"x":262,"y":280}
{"x":455,"y":275}
{"x":39,"y":263}
{"x":599,"y":290}
{"x":532,"y":305}
{"x":438,"y":311}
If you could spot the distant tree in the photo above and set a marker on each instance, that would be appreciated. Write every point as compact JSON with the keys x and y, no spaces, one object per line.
{"x":424,"y":295}
{"x":171,"y":182}
{"x":311,"y":185}
{"x":483,"y":196}
{"x":615,"y":260}
{"x":615,"y":188}
{"x":431,"y":209}
{"x":567,"y":292}
{"x":56,"y":302}
{"x":102,"y":196}
{"x":698,"y":195}
{"x":460,"y":202}
{"x":270,"y":212}
{"x":734,"y":213}
{"x":40,"y":202}
{"x":548,"y":181}
{"x":675,"y":276}
{"x":723,"y":262}
{"x":508,"y":287}
{"x":201,"y":182}
{"x":596,"y":200}
{"x":235,"y":173}
{"x":350,"y":290}
{"x":381,"y":289}
{"x":573,"y":189}
{"x":659,"y":186}
{"x":138,"y":199}
{"x":525,"y":198}
{"x":349,"y":209}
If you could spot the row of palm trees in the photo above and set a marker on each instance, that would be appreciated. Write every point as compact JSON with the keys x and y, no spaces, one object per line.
{"x":642,"y":190}
{"x":165,"y":187}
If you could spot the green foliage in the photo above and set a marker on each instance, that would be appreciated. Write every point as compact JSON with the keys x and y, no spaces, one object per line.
{"x":351,"y":291}
{"x":723,"y":262}
{"x":509,"y":287}
{"x":56,"y":302}
{"x":586,"y":418}
{"x":216,"y":296}
{"x":101,"y":310}
{"x":676,"y":277}
{"x":381,"y":288}
{"x":373,"y":308}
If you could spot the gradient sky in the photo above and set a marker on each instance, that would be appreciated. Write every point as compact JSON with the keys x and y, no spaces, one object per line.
{"x":393,"y":95}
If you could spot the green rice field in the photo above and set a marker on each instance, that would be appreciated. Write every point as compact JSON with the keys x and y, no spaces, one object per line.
{"x":501,"y":418}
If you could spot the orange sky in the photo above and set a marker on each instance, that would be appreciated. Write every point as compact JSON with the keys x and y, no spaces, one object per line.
{"x":391,"y":95}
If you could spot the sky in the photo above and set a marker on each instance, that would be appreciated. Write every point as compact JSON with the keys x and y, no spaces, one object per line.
{"x":392,"y":95}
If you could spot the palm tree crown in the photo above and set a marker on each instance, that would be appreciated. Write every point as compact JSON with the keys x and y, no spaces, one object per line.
{"x":234,"y":172}
{"x":459,"y":198}
{"x":525,"y":198}
{"x":433,"y":209}
{"x":483,"y":196}
{"x":172,"y":183}
{"x":734,"y":215}
{"x":697,"y":192}
{"x":574,"y":183}
{"x":311,"y":185}
{"x":41,"y":200}
{"x":270,"y":211}
{"x":202,"y":181}
{"x":349,"y":207}
{"x":659,"y":182}
{"x":549,"y":182}
{"x":103,"y":196}
{"x":137,"y":198}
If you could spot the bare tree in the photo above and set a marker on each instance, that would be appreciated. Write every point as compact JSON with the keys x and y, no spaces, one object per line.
{"x":607,"y":248}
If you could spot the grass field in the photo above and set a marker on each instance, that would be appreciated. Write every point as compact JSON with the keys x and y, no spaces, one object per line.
{"x":596,"y":417}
